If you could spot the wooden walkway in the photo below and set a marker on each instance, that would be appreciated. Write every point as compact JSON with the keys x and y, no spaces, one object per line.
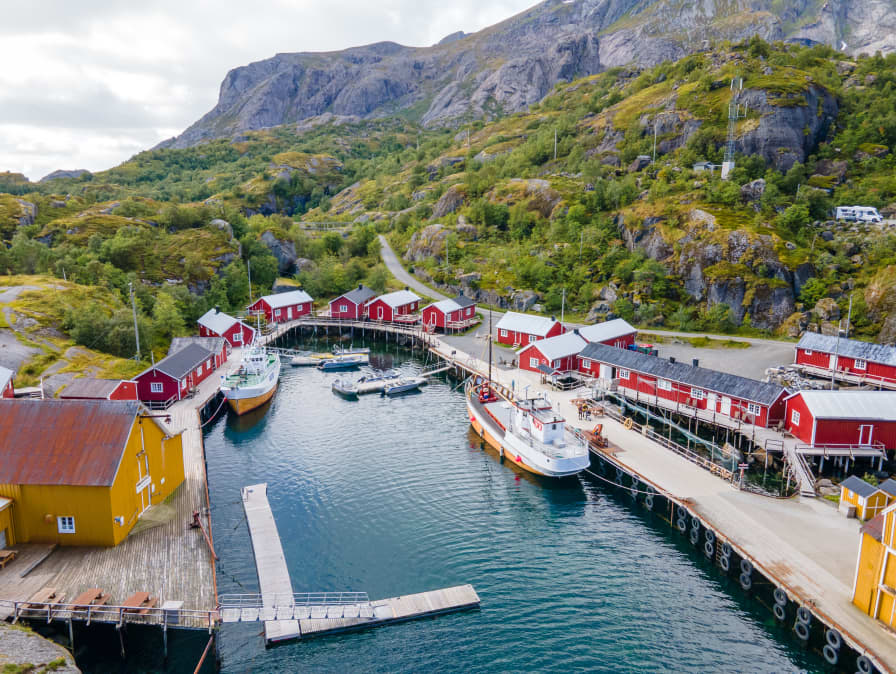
{"x":273,"y":574}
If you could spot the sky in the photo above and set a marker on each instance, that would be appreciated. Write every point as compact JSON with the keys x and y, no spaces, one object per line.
{"x":89,"y":83}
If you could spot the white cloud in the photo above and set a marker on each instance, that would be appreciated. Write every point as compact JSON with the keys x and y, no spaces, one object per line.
{"x":95,"y":81}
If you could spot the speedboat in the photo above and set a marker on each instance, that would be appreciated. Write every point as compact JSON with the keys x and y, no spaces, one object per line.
{"x":403,"y":385}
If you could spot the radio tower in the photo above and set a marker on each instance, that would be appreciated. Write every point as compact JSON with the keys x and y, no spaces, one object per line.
{"x":734,"y":113}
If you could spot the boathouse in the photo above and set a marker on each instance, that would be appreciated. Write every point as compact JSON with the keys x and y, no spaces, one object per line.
{"x":843,"y":418}
{"x":876,"y":568}
{"x":519,"y":330}
{"x":215,"y":323}
{"x":353,"y":304}
{"x":854,"y":361}
{"x":618,"y":333}
{"x":282,"y":307}
{"x":84,"y":471}
{"x":458,"y":313}
{"x":219,"y":346}
{"x":868,"y":500}
{"x":400,"y":306}
{"x":6,"y":383}
{"x":87,"y":388}
{"x":683,"y":388}
{"x":555,"y":353}
{"x":173,"y":377}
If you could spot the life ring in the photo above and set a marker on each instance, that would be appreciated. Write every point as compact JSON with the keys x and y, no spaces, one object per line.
{"x":831,"y":654}
{"x":802,"y":631}
{"x":780,"y":596}
{"x":628,"y":423}
{"x":834,"y":640}
{"x":779,"y":612}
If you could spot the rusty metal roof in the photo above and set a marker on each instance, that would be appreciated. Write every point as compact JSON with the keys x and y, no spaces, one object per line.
{"x":87,"y":387}
{"x":63,"y":442}
{"x":875,"y":527}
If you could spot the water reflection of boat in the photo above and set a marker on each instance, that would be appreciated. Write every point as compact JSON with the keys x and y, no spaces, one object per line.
{"x":255,"y":382}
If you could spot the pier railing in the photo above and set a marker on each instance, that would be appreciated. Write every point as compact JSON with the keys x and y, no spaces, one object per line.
{"x":118,"y":615}
{"x":246,"y":601}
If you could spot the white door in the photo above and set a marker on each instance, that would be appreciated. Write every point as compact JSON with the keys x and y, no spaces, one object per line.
{"x":606,"y":372}
{"x":726,"y":406}
{"x":832,"y":364}
{"x":289,"y":313}
{"x":143,"y":483}
{"x":711,"y":400}
{"x":379,"y":312}
{"x":865,"y":433}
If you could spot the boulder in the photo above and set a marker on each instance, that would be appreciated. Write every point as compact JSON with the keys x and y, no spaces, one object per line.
{"x":27,"y":214}
{"x":752,"y":192}
{"x":609,"y":293}
{"x":832,"y":168}
{"x":449,"y":202}
{"x":304,"y":264}
{"x":523,"y":300}
{"x":466,"y":232}
{"x":597,"y":312}
{"x":426,"y":243}
{"x":827,"y":309}
{"x":224,"y":226}
{"x":470,"y":280}
{"x":702,"y":218}
{"x":283,"y":249}
{"x":829,"y":329}
{"x":639,"y":163}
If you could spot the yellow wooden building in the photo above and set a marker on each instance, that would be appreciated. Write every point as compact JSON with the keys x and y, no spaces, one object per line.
{"x":875,"y":583}
{"x":81,"y":472}
{"x":868,"y":499}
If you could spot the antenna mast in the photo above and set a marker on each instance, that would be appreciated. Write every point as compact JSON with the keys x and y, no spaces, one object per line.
{"x":734,"y":113}
{"x":489,"y":346}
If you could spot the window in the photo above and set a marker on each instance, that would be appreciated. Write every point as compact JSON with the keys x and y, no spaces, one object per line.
{"x":343,"y":308}
{"x":795,"y":418}
{"x":808,"y":352}
{"x":199,"y":369}
{"x":697,"y":394}
{"x":664,"y":385}
{"x":155,"y":387}
{"x":209,"y":362}
{"x":503,"y":333}
{"x":556,"y":363}
{"x":534,"y":362}
{"x":622,"y":374}
{"x":754,"y":409}
{"x":238,"y":337}
{"x":276,"y":313}
{"x":66,"y":524}
{"x":861,"y":364}
{"x":586,"y":364}
{"x":470,"y":311}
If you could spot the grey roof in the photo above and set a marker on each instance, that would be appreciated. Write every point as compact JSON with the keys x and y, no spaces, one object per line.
{"x":216,"y":321}
{"x":858,"y":486}
{"x":601,"y":332}
{"x":87,"y":387}
{"x":851,"y":348}
{"x":287,"y":299}
{"x":463,"y":301}
{"x":179,"y":364}
{"x":888,"y":486}
{"x":861,"y":405}
{"x":698,"y":377}
{"x":359,"y":295}
{"x":213,"y":344}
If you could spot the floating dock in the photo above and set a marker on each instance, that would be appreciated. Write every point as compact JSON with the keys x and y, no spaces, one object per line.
{"x":273,"y":575}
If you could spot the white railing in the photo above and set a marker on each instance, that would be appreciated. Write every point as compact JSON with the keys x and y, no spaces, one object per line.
{"x":186,"y":618}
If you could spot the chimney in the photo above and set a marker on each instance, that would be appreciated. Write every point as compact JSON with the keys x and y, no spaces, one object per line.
{"x":360,"y":286}
{"x":671,"y":359}
{"x":576,"y":330}
{"x":406,"y":288}
{"x":695,"y":362}
{"x":217,"y":310}
{"x":553,"y":318}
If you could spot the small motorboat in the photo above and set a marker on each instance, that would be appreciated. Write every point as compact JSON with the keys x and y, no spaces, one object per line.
{"x":345,"y":388}
{"x":403,"y":385}
{"x":339,"y":351}
{"x":348,"y":362}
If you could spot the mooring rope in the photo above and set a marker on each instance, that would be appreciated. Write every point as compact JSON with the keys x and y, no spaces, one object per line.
{"x":628,"y":489}
{"x":212,"y":417}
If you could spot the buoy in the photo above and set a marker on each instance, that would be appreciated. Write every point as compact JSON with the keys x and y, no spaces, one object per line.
{"x":780,"y":596}
{"x":629,"y":422}
{"x":779,"y":612}
{"x":834,"y":639}
{"x":830,"y":654}
{"x":802,"y":631}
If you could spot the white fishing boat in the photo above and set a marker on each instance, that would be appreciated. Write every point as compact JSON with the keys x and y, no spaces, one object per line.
{"x":255,"y":382}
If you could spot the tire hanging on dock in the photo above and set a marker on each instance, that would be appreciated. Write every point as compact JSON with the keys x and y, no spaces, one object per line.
{"x":780,"y":596}
{"x":802,"y":631}
{"x":780,"y":612}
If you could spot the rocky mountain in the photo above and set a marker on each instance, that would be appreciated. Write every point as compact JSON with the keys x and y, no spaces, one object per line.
{"x":509,"y":66}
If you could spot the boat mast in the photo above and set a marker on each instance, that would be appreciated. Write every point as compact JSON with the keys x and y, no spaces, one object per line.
{"x":489,"y":346}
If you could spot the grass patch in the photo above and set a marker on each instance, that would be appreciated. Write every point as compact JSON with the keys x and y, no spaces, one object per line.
{"x":704,"y":342}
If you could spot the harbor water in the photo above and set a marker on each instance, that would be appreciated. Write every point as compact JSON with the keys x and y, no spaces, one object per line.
{"x":393,"y":496}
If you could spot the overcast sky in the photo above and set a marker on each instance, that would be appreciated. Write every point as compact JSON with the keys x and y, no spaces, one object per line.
{"x":89,"y":83}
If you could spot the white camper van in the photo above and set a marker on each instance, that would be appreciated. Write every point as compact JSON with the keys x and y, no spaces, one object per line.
{"x":857,"y":214}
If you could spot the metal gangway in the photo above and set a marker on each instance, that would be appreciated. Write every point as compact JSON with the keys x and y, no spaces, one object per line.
{"x":234,"y":608}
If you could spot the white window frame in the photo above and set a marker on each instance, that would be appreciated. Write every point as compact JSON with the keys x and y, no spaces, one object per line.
{"x":238,"y":337}
{"x":795,"y":417}
{"x":556,"y":364}
{"x":664,"y":384}
{"x":808,"y":352}
{"x":622,"y":374}
{"x":65,"y":524}
{"x":470,"y":311}
{"x":276,"y":313}
{"x":343,"y":308}
{"x":586,"y":363}
{"x":754,"y":409}
{"x":199,"y":370}
{"x":502,"y":333}
{"x":534,"y":362}
{"x":156,"y":387}
{"x":861,"y":364}
{"x":698,"y":393}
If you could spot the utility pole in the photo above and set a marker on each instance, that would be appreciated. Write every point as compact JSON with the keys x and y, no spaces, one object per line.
{"x":581,"y":243}
{"x":249,"y":272}
{"x":849,"y":315}
{"x":555,"y":144}
{"x":134,"y":308}
{"x":562,"y":305}
{"x":836,"y":355}
{"x":654,"y":140}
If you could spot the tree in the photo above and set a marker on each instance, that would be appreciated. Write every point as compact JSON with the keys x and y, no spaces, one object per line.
{"x":236,"y":281}
{"x":378,"y":278}
{"x":794,"y":218}
{"x":813,"y":290}
{"x":167,"y":321}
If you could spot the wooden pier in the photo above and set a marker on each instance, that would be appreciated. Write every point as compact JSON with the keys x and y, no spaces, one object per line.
{"x":273,"y":574}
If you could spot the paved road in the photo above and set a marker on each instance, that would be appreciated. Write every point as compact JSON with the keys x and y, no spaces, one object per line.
{"x":390,"y":259}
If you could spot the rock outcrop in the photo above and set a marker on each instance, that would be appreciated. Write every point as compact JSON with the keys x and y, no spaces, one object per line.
{"x":22,"y":650}
{"x":517,"y":62}
{"x":283,"y":249}
{"x":56,"y":175}
{"x":428,"y":242}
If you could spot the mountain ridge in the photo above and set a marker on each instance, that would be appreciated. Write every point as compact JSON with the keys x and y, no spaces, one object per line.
{"x":509,"y":66}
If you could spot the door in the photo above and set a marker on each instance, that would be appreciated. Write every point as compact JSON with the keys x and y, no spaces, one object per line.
{"x":865,"y":433}
{"x":379,"y":313}
{"x":711,"y":400}
{"x":832,"y":363}
{"x":606,"y":372}
{"x":726,"y":406}
{"x":2,"y":538}
{"x":143,"y":482}
{"x":289,"y":313}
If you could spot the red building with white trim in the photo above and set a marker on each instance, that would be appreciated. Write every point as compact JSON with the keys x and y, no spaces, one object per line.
{"x":219,"y":346}
{"x":6,"y":383}
{"x":557,"y":354}
{"x":517,"y":330}
{"x":400,"y":306}
{"x":855,"y":361}
{"x":458,"y":313}
{"x":843,"y":418}
{"x":171,"y":378}
{"x":282,"y":307}
{"x":353,"y":304}
{"x":86,"y":388}
{"x":672,"y":385}
{"x":214,"y":323}
{"x":618,"y":333}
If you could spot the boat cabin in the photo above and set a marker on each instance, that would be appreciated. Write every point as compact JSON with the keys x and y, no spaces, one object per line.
{"x":536,"y":417}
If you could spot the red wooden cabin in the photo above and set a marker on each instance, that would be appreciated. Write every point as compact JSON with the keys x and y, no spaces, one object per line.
{"x":353,"y":304}
{"x":171,"y":378}
{"x":400,"y":306}
{"x":282,"y":307}
{"x":454,"y":314}
{"x":215,"y":323}
{"x":855,"y":361}
{"x":555,"y":353}
{"x":86,"y":388}
{"x":618,"y":333}
{"x":516,"y":329}
{"x":6,"y":383}
{"x":843,"y":418}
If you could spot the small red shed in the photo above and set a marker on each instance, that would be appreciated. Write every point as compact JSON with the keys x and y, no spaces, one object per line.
{"x":282,"y":307}
{"x":353,"y":304}
{"x":86,"y":388}
{"x":557,"y":353}
{"x":215,"y":323}
{"x":454,"y":314}
{"x":618,"y":333}
{"x":400,"y":306}
{"x":854,"y":361}
{"x":171,"y":378}
{"x":6,"y":383}
{"x":516,"y":329}
{"x":843,"y":418}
